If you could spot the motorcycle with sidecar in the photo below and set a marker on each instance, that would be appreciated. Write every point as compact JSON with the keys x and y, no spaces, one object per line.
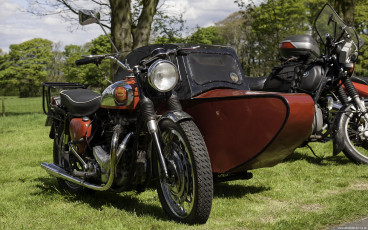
{"x":178,"y":116}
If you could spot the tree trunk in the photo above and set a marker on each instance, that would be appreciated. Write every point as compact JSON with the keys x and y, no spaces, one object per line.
{"x":345,"y":8}
{"x":142,"y":32}
{"x":121,"y":33}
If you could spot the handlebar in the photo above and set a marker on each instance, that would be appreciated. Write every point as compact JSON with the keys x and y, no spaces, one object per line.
{"x":89,"y":60}
{"x":97,"y":59}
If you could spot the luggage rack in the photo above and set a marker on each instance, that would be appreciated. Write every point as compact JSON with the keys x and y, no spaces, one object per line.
{"x":47,"y":107}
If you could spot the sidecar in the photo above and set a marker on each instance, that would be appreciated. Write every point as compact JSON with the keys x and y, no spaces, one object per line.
{"x":243,"y":129}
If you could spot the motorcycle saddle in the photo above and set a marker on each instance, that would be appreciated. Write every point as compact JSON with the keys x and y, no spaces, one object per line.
{"x":80,"y":102}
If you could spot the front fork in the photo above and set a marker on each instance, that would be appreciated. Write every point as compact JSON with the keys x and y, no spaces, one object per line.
{"x":359,"y":105}
{"x":149,"y":116}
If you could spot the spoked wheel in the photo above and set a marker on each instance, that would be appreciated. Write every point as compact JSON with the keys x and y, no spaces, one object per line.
{"x":59,"y":149}
{"x":186,"y":196}
{"x":355,"y":131}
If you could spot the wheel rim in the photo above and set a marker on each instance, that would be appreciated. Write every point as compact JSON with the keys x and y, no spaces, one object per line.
{"x":179,"y":190}
{"x":356,"y":128}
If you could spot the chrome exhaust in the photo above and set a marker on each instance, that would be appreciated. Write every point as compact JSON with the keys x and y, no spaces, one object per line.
{"x":59,"y":172}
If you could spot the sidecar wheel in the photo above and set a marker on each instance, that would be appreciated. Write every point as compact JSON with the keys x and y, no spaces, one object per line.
{"x":187,"y":195}
{"x":355,"y":133}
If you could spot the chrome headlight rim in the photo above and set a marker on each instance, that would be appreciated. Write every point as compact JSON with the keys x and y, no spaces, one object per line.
{"x":151,"y":76}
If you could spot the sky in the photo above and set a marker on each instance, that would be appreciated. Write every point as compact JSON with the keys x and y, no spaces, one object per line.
{"x":17,"y":26}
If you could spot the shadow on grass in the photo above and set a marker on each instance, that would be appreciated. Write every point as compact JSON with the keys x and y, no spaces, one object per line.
{"x":224,"y":190}
{"x":98,"y":200}
{"x":340,"y":159}
{"x":10,"y":114}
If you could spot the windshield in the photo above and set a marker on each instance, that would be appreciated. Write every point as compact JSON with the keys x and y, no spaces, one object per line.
{"x":328,"y":22}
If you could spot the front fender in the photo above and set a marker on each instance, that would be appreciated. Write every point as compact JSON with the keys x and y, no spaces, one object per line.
{"x":175,"y":116}
{"x":338,"y":140}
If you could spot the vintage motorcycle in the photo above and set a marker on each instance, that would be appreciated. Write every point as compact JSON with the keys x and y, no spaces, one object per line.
{"x":116,"y":141}
{"x":340,"y":113}
{"x":128,"y":137}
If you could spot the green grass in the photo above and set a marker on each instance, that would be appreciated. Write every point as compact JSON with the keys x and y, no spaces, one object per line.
{"x":302,"y":193}
{"x":20,"y":106}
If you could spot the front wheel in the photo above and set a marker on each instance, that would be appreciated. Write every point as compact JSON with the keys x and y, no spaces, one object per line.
{"x":355,"y":133}
{"x":186,"y":196}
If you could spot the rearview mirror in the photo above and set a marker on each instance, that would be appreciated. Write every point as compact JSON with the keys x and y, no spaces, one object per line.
{"x":87,"y":17}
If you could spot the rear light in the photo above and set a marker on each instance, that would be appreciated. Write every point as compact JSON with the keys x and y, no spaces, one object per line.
{"x":286,"y":45}
{"x":120,"y":95}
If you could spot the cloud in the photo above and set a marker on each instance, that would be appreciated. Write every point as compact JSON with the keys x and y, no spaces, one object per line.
{"x":17,"y":26}
{"x":203,"y":13}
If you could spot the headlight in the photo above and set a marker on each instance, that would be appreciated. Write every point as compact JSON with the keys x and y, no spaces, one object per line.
{"x":163,"y":75}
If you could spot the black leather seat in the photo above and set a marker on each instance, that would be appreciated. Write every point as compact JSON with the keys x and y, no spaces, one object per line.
{"x":256,"y":83}
{"x":80,"y":102}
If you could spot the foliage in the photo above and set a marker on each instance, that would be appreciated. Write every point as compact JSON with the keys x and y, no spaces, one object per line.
{"x":26,"y":66}
{"x":209,"y":35}
{"x":265,"y":26}
{"x":361,"y":25}
{"x":87,"y":74}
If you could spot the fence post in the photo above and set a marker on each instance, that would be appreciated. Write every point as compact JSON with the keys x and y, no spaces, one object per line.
{"x":3,"y":105}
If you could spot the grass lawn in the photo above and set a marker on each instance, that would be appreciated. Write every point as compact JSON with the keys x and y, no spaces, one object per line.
{"x":302,"y":193}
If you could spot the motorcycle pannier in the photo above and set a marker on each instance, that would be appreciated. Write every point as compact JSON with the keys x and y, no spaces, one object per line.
{"x":282,"y":77}
{"x":295,"y":77}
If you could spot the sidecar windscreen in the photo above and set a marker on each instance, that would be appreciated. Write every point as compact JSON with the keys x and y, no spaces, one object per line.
{"x":206,"y":68}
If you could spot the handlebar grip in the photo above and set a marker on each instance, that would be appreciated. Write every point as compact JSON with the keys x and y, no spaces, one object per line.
{"x":86,"y":61}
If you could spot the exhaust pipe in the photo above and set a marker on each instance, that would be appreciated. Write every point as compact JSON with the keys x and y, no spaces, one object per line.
{"x":59,"y":172}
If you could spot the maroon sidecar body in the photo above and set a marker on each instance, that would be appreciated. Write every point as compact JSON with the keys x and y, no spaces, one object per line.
{"x":242,"y":129}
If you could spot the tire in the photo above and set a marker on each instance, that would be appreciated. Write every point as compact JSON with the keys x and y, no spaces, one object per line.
{"x":187,"y":196}
{"x":58,"y":148}
{"x":354,"y":125}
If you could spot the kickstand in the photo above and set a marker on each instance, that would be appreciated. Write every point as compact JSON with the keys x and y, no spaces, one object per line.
{"x":324,"y":154}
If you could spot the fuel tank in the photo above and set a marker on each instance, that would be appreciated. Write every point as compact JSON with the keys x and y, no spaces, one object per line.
{"x":246,"y":130}
{"x":120,"y":95}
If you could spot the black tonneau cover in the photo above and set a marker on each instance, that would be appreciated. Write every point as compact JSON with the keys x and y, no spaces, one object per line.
{"x":202,"y":69}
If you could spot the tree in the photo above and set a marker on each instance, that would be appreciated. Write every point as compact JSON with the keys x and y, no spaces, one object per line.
{"x":128,"y":20}
{"x":361,"y":26}
{"x":209,"y":35}
{"x":237,"y":35}
{"x":87,"y":74}
{"x":26,"y":66}
{"x":266,"y":25}
{"x":345,"y":8}
{"x":56,"y":64}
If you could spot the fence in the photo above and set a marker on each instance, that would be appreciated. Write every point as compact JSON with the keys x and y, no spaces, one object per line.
{"x":12,"y":105}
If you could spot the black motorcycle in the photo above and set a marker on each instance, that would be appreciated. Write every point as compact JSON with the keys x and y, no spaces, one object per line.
{"x":340,"y":113}
{"x":117,"y":142}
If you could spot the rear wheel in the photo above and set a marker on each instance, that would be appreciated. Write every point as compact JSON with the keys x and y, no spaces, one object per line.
{"x":355,"y":133}
{"x":60,"y":150}
{"x":186,"y":196}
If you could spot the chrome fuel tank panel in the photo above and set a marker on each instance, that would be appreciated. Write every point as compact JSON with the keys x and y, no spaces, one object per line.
{"x":111,"y":95}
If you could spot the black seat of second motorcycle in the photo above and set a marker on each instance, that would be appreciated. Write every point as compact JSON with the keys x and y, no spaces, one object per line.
{"x":80,"y":102}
